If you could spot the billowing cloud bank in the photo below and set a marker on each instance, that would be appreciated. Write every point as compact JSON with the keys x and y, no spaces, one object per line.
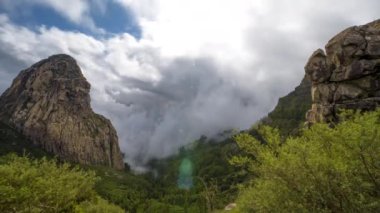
{"x":201,"y":67}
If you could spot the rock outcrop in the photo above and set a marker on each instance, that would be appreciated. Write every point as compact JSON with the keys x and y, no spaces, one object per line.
{"x":347,"y":76}
{"x":50,"y":104}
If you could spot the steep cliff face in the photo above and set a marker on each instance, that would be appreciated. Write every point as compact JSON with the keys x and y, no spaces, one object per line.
{"x":347,"y":76}
{"x":50,"y":104}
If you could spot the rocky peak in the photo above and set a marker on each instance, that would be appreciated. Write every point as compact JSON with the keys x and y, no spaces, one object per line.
{"x":347,"y":74}
{"x":50,"y":104}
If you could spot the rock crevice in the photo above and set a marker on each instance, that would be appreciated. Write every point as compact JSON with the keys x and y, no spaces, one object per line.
{"x":50,"y":104}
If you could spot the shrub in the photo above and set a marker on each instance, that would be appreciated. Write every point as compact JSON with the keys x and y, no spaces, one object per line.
{"x":323,"y":170}
{"x":45,"y":186}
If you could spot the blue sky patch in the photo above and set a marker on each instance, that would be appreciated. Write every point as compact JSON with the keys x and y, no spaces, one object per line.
{"x":115,"y":19}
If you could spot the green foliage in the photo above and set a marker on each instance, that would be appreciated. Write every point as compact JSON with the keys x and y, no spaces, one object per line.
{"x":323,"y":170}
{"x":97,"y":205}
{"x":123,"y":188}
{"x":45,"y":186}
{"x":215,"y":181}
{"x":290,"y":111}
{"x":154,"y":206}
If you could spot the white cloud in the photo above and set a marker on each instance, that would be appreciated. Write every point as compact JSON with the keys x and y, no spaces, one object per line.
{"x":238,"y":32}
{"x":183,"y":28}
{"x":201,"y":66}
{"x":144,"y":9}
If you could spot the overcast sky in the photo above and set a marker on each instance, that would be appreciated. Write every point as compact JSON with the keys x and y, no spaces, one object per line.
{"x":168,"y":71}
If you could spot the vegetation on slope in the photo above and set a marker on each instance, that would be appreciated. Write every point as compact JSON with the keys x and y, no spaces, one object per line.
{"x":214,"y":179}
{"x":289,"y":113}
{"x":214,"y":182}
{"x":323,"y":170}
{"x":13,"y":142}
{"x":127,"y":190}
{"x":44,"y":186}
{"x":198,"y":179}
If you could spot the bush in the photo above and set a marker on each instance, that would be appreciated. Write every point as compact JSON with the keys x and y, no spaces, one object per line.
{"x":45,"y":186}
{"x":98,"y":205}
{"x":324,"y":170}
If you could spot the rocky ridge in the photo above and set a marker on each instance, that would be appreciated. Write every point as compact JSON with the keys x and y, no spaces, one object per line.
{"x":347,"y":74}
{"x":50,"y":104}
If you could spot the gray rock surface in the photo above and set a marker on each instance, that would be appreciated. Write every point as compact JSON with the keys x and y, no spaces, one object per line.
{"x":50,"y":104}
{"x":347,"y":76}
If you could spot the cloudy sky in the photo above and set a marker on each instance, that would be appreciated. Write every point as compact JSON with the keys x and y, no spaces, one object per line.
{"x":167,"y":71}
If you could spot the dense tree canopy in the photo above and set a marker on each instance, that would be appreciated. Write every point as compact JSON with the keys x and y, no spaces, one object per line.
{"x":323,"y":170}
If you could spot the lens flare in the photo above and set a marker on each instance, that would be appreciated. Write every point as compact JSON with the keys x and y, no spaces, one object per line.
{"x":185,"y":177}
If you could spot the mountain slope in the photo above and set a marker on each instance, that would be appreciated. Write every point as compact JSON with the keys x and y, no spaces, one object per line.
{"x":49,"y":103}
{"x":290,"y":111}
{"x":13,"y":142}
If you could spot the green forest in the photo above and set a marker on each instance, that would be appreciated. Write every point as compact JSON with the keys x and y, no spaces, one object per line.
{"x":320,"y":169}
